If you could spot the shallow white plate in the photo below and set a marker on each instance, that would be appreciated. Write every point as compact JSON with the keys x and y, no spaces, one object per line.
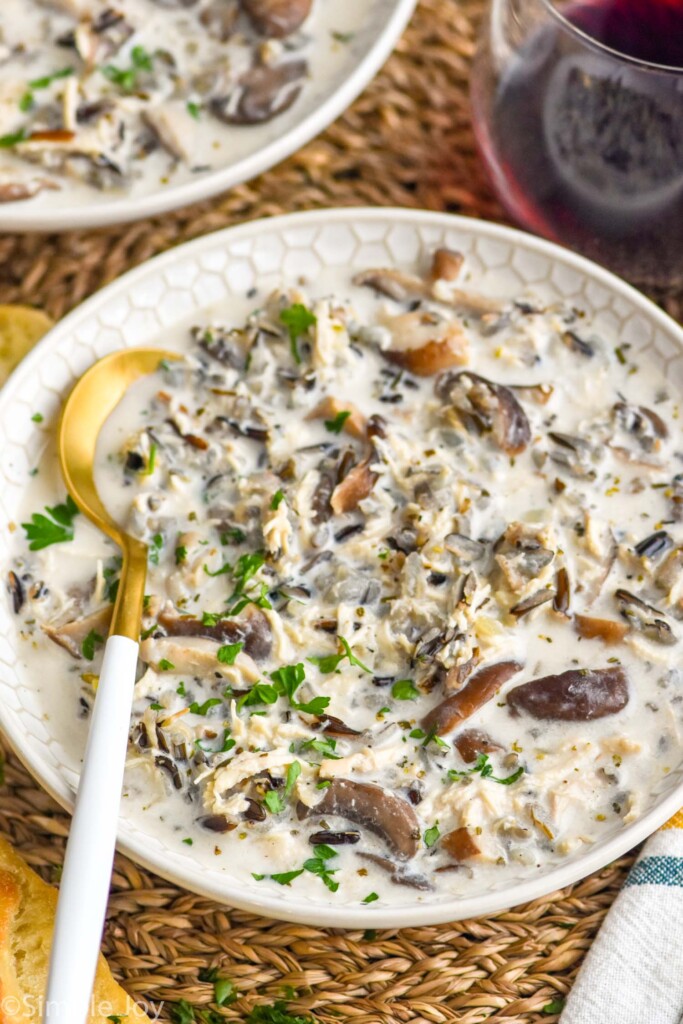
{"x":189,"y":281}
{"x":375,"y":26}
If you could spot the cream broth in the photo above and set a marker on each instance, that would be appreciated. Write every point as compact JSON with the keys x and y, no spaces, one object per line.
{"x":414,"y":593}
{"x":135,"y":96}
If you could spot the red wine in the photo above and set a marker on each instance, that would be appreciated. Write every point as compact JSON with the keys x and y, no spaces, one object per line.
{"x":586,"y":148}
{"x":649,"y":30}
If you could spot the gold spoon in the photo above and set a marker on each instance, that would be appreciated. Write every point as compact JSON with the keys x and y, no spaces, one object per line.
{"x":89,"y":856}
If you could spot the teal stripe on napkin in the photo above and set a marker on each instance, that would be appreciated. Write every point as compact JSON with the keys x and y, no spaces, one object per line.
{"x":656,"y":871}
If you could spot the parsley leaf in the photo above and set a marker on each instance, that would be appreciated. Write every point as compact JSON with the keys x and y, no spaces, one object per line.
{"x":155,"y":548}
{"x":370,"y":898}
{"x":336,"y":424}
{"x":127,"y":78}
{"x":318,"y":866}
{"x":227,"y":653}
{"x":152,"y":460}
{"x":12,"y":139}
{"x":117,"y":1018}
{"x":276,"y":1013}
{"x":260,"y":693}
{"x":432,"y":834}
{"x":297,"y":319}
{"x":405,"y":689}
{"x":180,"y":554}
{"x":330,"y":662}
{"x":201,"y":709}
{"x":316,"y":706}
{"x":88,"y":645}
{"x":288,"y":678}
{"x":219,"y":572}
{"x":285,"y":877}
{"x":325,"y":746}
{"x":43,"y":531}
{"x":28,"y":99}
{"x":277,"y":499}
{"x":275,"y":800}
{"x":485,"y":769}
{"x":194,"y":109}
{"x":165,"y":665}
{"x":233,"y":536}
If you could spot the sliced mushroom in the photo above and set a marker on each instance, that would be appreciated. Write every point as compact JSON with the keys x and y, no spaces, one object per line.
{"x":253,"y":630}
{"x":70,"y":635}
{"x":16,"y":191}
{"x":473,"y":742}
{"x":479,"y":689}
{"x":174,"y":128}
{"x":562,"y":598}
{"x":645,"y":425}
{"x":277,"y":18}
{"x":601,"y":629}
{"x":647,"y":619}
{"x":485,"y":407}
{"x":262,"y":93}
{"x":578,"y":695}
{"x":328,"y":407}
{"x":457,"y":674}
{"x":395,"y":284}
{"x":539,"y":393}
{"x":446,"y":265}
{"x":425,"y":343}
{"x":355,"y":486}
{"x":219,"y":19}
{"x":459,"y":844}
{"x":373,"y":808}
{"x":400,"y":875}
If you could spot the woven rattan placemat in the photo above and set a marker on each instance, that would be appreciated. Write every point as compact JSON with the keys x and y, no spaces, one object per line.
{"x":407,"y":142}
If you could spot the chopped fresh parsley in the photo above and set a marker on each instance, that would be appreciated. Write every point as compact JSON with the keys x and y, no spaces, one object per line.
{"x":127,"y":78}
{"x":260,"y":693}
{"x":275,"y":1013}
{"x":330,"y":662}
{"x":181,"y":690}
{"x":211,"y":618}
{"x":194,"y":109}
{"x":285,"y":877}
{"x":155,"y":548}
{"x":405,"y":689}
{"x":336,"y":424}
{"x":485,"y":769}
{"x":58,"y":528}
{"x":233,"y":536}
{"x":165,"y":665}
{"x":117,"y":1018}
{"x":28,"y":99}
{"x":288,"y":678}
{"x":219,"y":572}
{"x":156,"y":706}
{"x":275,"y":800}
{"x":417,"y":734}
{"x":180,"y":554}
{"x":227,"y":653}
{"x":37,"y":417}
{"x":201,"y":709}
{"x":188,"y":841}
{"x":297,"y":319}
{"x":432,"y":834}
{"x":554,"y":1006}
{"x":152,"y":460}
{"x":317,"y":865}
{"x":227,"y":743}
{"x":277,"y":499}
{"x":12,"y":139}
{"x":325,"y":746}
{"x":370,"y":898}
{"x":88,"y":645}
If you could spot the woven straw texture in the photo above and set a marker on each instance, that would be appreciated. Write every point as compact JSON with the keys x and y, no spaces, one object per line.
{"x":408,"y":142}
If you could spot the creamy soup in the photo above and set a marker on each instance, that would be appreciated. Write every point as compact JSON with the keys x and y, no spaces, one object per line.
{"x":130,"y":96}
{"x":414,"y":591}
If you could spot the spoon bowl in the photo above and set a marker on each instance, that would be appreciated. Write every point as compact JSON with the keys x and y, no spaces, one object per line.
{"x":90,"y":850}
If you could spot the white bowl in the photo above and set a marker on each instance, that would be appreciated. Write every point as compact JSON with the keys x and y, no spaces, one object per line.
{"x":189,"y":281}
{"x":377,"y":25}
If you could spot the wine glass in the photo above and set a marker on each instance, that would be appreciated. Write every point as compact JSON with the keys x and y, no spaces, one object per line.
{"x":578,"y":113}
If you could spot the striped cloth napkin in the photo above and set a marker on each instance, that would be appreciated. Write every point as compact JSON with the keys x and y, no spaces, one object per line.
{"x":633,"y":973}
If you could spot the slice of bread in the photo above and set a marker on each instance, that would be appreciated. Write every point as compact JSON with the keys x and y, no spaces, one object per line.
{"x":27,"y":914}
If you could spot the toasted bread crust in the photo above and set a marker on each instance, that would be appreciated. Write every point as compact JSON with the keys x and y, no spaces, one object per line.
{"x":27,"y":912}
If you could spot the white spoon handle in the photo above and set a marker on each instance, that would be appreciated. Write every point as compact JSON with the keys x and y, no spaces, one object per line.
{"x":90,"y":850}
